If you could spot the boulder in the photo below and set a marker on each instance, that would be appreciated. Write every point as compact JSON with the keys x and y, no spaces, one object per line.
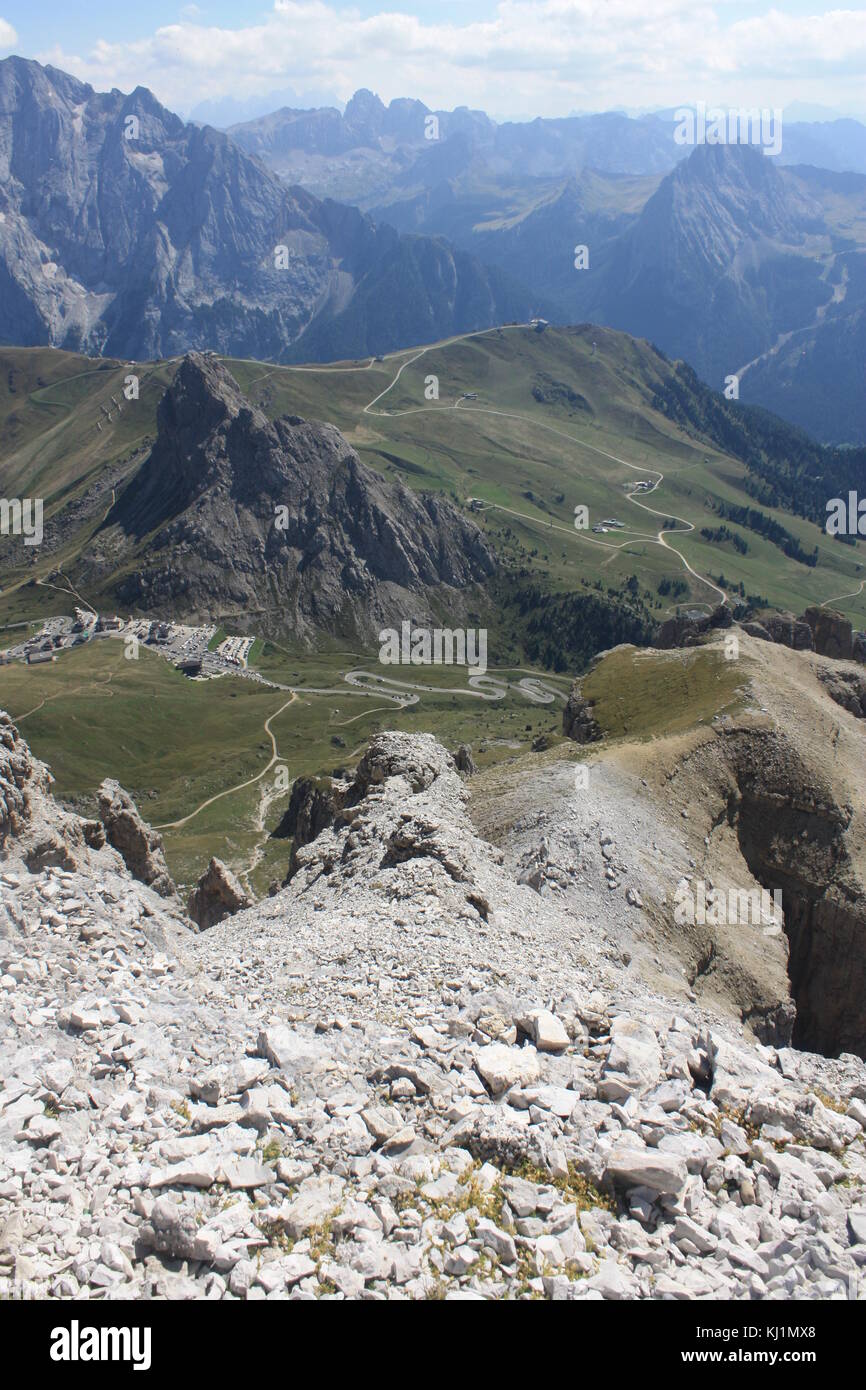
{"x":545,"y":1029}
{"x":633,"y":1063}
{"x":630,"y":1166}
{"x":502,"y":1066}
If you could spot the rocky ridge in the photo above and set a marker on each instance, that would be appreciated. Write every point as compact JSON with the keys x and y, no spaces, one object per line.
{"x":820,"y":630}
{"x":404,"y":1076}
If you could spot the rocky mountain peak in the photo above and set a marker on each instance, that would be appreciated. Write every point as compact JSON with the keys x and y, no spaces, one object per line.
{"x":202,"y":396}
{"x":745,"y":191}
{"x":365,"y":113}
{"x":253,"y":504}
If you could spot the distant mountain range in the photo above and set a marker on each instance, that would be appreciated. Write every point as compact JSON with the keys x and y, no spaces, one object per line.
{"x":372,"y":154}
{"x":742,"y":264}
{"x":182,"y":237}
{"x":125,"y":232}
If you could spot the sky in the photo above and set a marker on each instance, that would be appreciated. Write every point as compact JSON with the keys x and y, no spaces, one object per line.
{"x":513,"y":58}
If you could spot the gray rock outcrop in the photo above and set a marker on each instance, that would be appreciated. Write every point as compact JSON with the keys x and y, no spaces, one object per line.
{"x":832,"y":634}
{"x":687,"y":629}
{"x":847,"y":688}
{"x":464,"y":761}
{"x":311,"y":808}
{"x":138,"y":845}
{"x":218,"y":894}
{"x":259,"y":508}
{"x":789,"y":631}
{"x":578,"y":721}
{"x":32,"y":825}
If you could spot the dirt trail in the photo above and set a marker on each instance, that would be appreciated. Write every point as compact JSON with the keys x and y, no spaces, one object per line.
{"x":250,"y":781}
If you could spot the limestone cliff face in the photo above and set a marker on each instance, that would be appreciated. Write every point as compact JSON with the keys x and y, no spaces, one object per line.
{"x":37,"y":832}
{"x":279,"y":519}
{"x":794,"y":833}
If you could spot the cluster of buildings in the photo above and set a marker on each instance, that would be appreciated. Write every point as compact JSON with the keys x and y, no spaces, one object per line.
{"x":186,"y":647}
{"x":58,"y":634}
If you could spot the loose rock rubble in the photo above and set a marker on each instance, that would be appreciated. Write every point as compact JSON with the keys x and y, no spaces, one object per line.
{"x":403,"y":1076}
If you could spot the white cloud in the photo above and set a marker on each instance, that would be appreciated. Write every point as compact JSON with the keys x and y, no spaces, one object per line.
{"x":543,"y":56}
{"x":8,"y":37}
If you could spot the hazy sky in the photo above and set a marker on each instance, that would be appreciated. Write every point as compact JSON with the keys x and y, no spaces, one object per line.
{"x":510,"y":57}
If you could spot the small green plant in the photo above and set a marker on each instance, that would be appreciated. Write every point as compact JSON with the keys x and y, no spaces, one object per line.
{"x":321,"y":1241}
{"x":275,"y":1234}
{"x":573,"y":1188}
{"x":737,"y":1117}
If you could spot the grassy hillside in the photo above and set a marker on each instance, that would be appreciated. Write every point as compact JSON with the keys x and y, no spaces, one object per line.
{"x":562,"y":419}
{"x":532,"y":453}
{"x":647,"y":694}
{"x":558,"y":419}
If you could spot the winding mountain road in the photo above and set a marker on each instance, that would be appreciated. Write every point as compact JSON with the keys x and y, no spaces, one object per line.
{"x":660,"y":538}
